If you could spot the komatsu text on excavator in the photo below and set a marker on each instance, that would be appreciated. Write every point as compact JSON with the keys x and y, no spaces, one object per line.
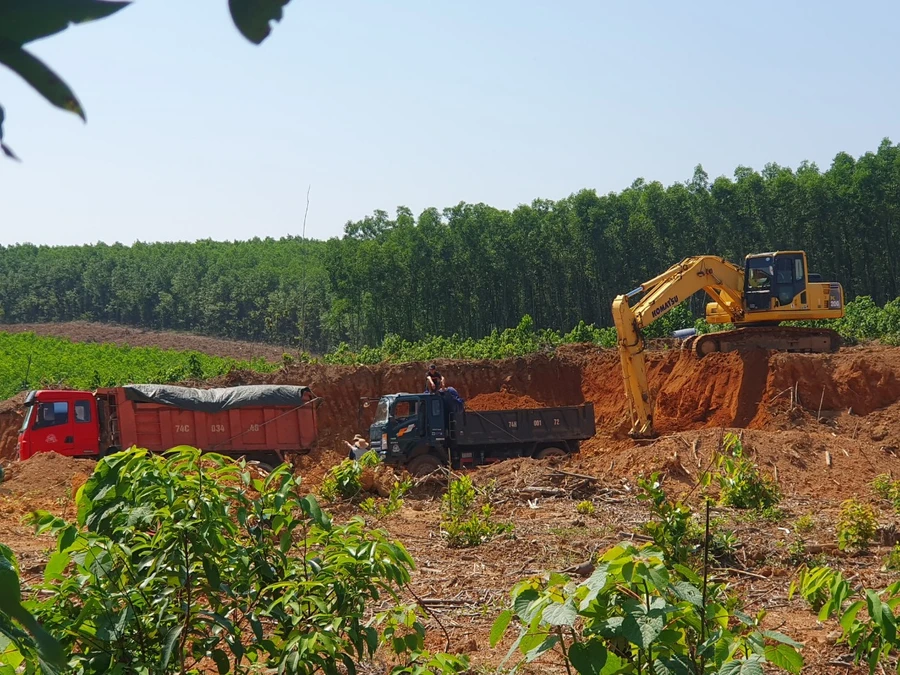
{"x":771,"y":288}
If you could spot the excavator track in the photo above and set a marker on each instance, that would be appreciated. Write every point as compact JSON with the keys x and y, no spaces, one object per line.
{"x":778,"y":338}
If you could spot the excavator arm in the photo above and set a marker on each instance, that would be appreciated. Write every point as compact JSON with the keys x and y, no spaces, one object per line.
{"x":723,"y":281}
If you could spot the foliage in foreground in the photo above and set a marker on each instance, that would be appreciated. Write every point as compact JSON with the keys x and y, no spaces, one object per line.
{"x":179,"y":559}
{"x":638,"y":613}
{"x":871,"y":634}
{"x":24,"y":644}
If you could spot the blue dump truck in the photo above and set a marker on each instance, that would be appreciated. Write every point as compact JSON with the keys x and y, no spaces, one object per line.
{"x":424,"y":431}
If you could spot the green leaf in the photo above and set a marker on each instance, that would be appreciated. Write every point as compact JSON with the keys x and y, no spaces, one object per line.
{"x":545,"y":646}
{"x":47,"y":83}
{"x":221,"y":659}
{"x":499,"y":627}
{"x":748,"y":666}
{"x":66,"y":538}
{"x":311,"y":508}
{"x":592,"y":658}
{"x":56,"y":566}
{"x":22,"y":22}
{"x":49,"y":650}
{"x":252,"y":17}
{"x":688,"y":574}
{"x":3,"y":146}
{"x":785,"y":657}
{"x":522,"y":602}
{"x":560,"y":614}
{"x":688,"y":592}
{"x":595,"y":583}
{"x":171,"y":639}
{"x":642,"y":629}
{"x":874,"y":607}
{"x":781,"y":637}
{"x":211,"y":570}
{"x":673,"y":665}
{"x":849,"y":616}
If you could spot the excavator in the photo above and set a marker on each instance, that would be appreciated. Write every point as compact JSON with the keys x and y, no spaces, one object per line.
{"x":769,"y":289}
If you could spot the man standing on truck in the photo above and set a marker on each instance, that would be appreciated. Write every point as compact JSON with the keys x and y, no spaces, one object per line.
{"x":434,"y":381}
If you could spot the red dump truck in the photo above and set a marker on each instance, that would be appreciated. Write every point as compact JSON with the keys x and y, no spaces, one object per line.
{"x":259,"y":422}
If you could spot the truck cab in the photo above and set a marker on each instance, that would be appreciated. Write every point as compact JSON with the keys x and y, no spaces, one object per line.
{"x":65,"y":422}
{"x":408,"y":425}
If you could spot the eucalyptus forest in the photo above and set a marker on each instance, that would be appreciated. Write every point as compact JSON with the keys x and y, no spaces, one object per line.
{"x":470,"y":269}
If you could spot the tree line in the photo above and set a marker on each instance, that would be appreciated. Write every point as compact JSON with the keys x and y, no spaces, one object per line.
{"x":471,"y":269}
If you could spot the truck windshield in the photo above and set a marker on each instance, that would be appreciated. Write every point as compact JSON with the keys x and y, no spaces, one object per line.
{"x":381,"y":412}
{"x":29,"y":413}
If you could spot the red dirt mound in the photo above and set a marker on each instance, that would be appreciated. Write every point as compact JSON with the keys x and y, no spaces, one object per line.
{"x":46,"y":482}
{"x":10,"y":420}
{"x":864,"y":379}
{"x":689,"y":393}
{"x":502,"y":400}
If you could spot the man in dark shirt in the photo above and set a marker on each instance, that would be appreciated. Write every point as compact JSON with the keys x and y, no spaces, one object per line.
{"x":434,"y":381}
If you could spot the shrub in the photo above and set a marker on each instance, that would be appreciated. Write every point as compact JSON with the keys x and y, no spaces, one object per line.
{"x":182,"y":557}
{"x":741,"y":483}
{"x":673,"y":527}
{"x":392,"y":504}
{"x":585,"y":508}
{"x":856,"y":525}
{"x":887,"y":488}
{"x":639,"y":613}
{"x":892,"y":562}
{"x":343,"y":481}
{"x":804,"y":524}
{"x":462,"y":525}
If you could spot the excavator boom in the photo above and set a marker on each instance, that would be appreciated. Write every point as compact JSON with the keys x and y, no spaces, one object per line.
{"x":779,"y":291}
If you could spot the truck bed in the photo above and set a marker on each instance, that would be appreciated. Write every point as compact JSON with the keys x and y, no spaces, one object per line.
{"x":486,"y":427}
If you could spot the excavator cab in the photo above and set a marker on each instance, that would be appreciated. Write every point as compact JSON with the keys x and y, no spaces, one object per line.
{"x":775,"y":276}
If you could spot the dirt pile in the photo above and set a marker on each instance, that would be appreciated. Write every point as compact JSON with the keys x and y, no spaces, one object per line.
{"x":9,"y":434}
{"x":861,"y":379}
{"x":47,"y":476}
{"x":502,"y":401}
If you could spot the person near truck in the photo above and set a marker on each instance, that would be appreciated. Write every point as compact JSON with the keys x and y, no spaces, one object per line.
{"x":434,"y":381}
{"x":358,"y":447}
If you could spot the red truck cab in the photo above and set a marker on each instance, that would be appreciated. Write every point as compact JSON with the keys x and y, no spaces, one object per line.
{"x":64,"y":421}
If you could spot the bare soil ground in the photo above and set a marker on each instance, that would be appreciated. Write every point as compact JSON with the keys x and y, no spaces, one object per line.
{"x":823,"y":425}
{"x":86,"y":331}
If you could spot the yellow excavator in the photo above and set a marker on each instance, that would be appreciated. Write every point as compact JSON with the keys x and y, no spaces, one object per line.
{"x":771,"y":288}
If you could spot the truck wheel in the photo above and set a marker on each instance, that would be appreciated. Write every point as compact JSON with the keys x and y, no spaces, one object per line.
{"x":550,"y":452}
{"x":423,"y":465}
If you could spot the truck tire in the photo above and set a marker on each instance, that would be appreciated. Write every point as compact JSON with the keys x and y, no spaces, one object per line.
{"x":544,"y":453}
{"x":423,"y":465}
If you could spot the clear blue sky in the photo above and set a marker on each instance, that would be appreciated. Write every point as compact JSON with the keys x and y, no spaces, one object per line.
{"x":193,"y":132}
